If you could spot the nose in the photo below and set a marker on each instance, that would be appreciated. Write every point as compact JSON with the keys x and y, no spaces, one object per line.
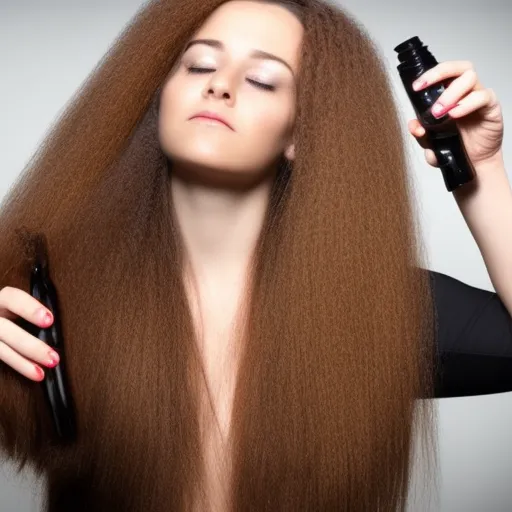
{"x":219,"y":92}
{"x":220,"y":87}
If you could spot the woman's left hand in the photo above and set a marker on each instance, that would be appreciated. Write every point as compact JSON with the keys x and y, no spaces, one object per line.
{"x":475,"y":109}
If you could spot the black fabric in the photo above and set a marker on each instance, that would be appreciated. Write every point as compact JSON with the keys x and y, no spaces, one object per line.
{"x":474,"y":339}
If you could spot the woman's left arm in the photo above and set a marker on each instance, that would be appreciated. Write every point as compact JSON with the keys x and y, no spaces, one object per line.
{"x":485,"y":202}
{"x":487,"y":209}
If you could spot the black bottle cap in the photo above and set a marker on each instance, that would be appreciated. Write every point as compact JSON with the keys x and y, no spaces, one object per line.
{"x":410,"y":44}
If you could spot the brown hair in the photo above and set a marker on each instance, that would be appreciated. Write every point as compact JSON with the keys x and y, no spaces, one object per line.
{"x":339,"y":341}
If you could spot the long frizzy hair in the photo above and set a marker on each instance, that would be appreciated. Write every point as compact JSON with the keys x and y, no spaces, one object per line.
{"x":338,"y":347}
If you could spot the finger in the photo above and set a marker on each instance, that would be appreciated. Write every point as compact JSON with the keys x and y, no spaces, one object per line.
{"x":20,"y":364}
{"x":455,"y":92}
{"x":431,"y":159}
{"x":443,"y":71}
{"x":419,"y":133}
{"x":474,"y":101}
{"x":416,"y":128}
{"x":16,"y":302}
{"x":26,"y":345}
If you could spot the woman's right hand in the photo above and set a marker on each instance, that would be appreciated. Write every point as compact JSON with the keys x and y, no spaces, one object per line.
{"x":19,"y":349}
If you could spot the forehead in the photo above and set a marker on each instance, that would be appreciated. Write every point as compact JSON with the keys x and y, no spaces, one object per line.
{"x":243,"y":25}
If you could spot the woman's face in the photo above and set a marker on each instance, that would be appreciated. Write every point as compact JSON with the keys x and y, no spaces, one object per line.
{"x":223,"y":76}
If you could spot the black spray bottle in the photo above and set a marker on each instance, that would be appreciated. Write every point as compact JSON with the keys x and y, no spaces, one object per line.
{"x":442,"y":134}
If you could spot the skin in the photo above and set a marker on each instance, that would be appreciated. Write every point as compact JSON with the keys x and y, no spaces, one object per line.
{"x":220,"y":186}
{"x":18,"y":348}
{"x":221,"y":180}
{"x":221,"y":177}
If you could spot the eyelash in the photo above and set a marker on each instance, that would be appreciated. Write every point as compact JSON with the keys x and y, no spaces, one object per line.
{"x":266,"y":87}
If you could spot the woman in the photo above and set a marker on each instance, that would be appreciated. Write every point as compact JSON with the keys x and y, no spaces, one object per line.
{"x":247,"y":324}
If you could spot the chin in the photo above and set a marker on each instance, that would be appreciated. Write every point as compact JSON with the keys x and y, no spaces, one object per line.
{"x":215,"y":173}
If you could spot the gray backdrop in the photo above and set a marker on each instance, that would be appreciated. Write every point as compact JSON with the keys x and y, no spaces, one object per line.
{"x":47,"y":49}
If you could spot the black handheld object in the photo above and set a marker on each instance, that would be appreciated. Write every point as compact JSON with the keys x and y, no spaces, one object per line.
{"x":442,"y":133}
{"x":55,"y":383}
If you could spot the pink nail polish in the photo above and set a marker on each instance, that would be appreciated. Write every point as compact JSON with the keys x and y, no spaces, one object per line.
{"x":439,"y":110}
{"x":39,"y":372}
{"x":45,"y":315}
{"x":419,"y":85}
{"x":54,"y":359}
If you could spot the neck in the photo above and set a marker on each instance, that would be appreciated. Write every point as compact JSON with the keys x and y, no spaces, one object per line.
{"x":219,"y":226}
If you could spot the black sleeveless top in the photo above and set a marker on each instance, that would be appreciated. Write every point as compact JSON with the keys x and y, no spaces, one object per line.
{"x":474,"y":339}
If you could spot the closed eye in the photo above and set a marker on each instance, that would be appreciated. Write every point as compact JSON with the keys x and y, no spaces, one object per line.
{"x":267,"y":87}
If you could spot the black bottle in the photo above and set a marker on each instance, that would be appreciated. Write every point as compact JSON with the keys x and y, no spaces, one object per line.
{"x":55,"y":384}
{"x":442,"y":134}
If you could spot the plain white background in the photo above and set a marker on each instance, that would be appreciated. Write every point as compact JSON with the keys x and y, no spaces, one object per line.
{"x":47,"y":50}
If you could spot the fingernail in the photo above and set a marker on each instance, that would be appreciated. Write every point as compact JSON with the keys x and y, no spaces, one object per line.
{"x":39,"y":372}
{"x":418,"y":84}
{"x":437,"y":109}
{"x":45,"y":316}
{"x":54,"y":358}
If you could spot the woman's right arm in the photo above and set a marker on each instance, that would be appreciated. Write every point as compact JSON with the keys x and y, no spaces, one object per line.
{"x":22,"y":361}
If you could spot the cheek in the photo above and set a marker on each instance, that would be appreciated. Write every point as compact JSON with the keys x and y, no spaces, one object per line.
{"x":269,"y":120}
{"x":176,"y":106}
{"x":262,"y":123}
{"x":176,"y":101}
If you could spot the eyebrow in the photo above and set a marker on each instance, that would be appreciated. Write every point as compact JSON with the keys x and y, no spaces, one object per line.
{"x":255,"y":54}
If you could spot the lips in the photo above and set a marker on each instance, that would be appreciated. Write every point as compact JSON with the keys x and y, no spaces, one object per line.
{"x":212,"y":115}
